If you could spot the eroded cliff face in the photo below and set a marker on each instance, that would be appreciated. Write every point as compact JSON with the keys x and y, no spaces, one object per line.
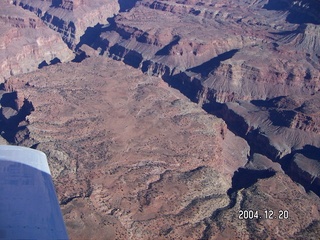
{"x":70,"y":18}
{"x":133,"y":158}
{"x":236,"y":51}
{"x":26,"y":42}
{"x":300,"y":11}
{"x":130,"y":156}
{"x":288,"y":130}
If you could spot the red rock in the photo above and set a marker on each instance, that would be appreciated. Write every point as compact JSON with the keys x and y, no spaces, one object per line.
{"x":237,"y":51}
{"x":26,"y":42}
{"x":130,"y":156}
{"x":134,"y":159}
{"x":71,"y":18}
{"x":277,"y":195}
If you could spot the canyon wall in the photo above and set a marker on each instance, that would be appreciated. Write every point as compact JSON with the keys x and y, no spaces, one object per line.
{"x":26,"y":42}
{"x":133,"y":158}
{"x":237,"y":51}
{"x":232,"y":125}
{"x":130,"y":156}
{"x":71,"y":18}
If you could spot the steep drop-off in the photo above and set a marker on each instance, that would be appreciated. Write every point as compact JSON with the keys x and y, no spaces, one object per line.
{"x":196,"y":36}
{"x":130,"y":156}
{"x":25,"y":42}
{"x":71,"y":18}
{"x":134,"y":159}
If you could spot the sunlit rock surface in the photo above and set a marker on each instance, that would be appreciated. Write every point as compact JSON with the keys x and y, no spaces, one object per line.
{"x":228,"y":50}
{"x":133,"y":158}
{"x":25,"y":42}
{"x":71,"y":18}
{"x":126,"y":150}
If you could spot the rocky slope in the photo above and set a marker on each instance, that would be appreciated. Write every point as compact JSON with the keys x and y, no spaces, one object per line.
{"x":26,"y":42}
{"x":300,"y":11}
{"x":288,"y":130}
{"x":133,"y":158}
{"x":216,"y":52}
{"x":70,"y":18}
{"x":121,"y":145}
{"x":234,"y":51}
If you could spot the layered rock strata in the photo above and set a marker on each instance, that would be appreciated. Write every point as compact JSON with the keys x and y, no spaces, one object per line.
{"x":300,"y":11}
{"x":234,"y":51}
{"x":122,"y":144}
{"x":26,"y":42}
{"x":132,"y":158}
{"x":71,"y":18}
{"x":288,"y":130}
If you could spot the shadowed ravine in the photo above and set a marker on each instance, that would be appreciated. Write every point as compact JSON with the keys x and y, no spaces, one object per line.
{"x":133,"y":158}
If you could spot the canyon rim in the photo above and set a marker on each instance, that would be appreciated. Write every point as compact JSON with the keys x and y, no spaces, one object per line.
{"x":169,"y":119}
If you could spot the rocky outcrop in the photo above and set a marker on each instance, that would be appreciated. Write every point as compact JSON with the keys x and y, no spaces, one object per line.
{"x":26,"y":42}
{"x":242,"y":52}
{"x":300,"y":11}
{"x":265,"y":119}
{"x":275,"y":202}
{"x":260,"y":162}
{"x":71,"y":18}
{"x":259,"y":73}
{"x":132,"y":158}
{"x":306,"y":170}
{"x":13,"y":117}
{"x":287,"y":135}
{"x":294,"y":119}
{"x":173,"y":47}
{"x":122,"y":144}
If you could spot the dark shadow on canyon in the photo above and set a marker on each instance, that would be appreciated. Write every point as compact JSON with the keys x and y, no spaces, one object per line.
{"x":182,"y":83}
{"x":167,"y":49}
{"x":10,"y":126}
{"x":126,"y":5}
{"x":80,"y":56}
{"x":9,"y":100}
{"x":91,"y":37}
{"x":311,"y":152}
{"x":205,"y":68}
{"x":244,"y":178}
{"x":52,"y":62}
{"x":56,"y":3}
{"x":296,"y":14}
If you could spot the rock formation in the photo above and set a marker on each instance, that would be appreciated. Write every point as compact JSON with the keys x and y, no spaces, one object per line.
{"x":121,"y":144}
{"x":235,"y":51}
{"x":287,"y":131}
{"x":26,"y":42}
{"x":71,"y":18}
{"x":234,"y":154}
{"x":134,"y":158}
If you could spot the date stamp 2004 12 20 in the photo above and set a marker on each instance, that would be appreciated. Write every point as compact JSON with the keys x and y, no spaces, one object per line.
{"x":264,"y":214}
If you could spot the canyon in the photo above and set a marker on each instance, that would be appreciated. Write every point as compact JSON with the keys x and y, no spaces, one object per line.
{"x":26,"y":42}
{"x":167,"y":119}
{"x":70,"y":18}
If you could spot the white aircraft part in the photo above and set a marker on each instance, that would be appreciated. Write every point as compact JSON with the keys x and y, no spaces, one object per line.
{"x":29,"y":208}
